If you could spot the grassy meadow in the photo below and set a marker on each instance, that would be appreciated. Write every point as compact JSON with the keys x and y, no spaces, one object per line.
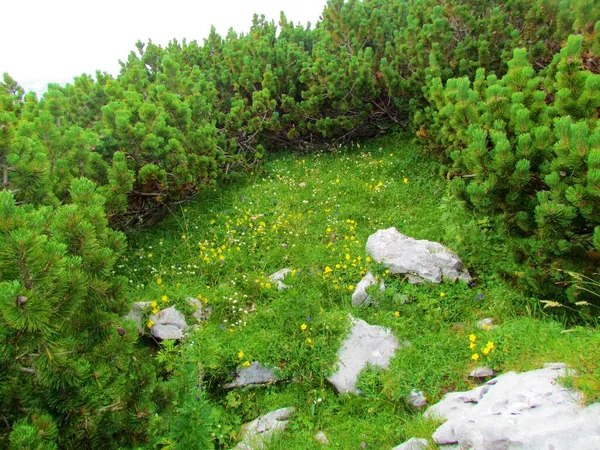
{"x":313,"y":214}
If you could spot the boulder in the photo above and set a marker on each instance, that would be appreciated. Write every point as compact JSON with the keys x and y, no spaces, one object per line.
{"x":168,"y":324}
{"x":278,"y":277}
{"x":529,"y":410}
{"x":257,"y":434}
{"x":366,"y":344}
{"x":137,"y":314}
{"x":420,"y":260}
{"x":253,"y":375}
{"x":413,"y":444}
{"x":360,"y":296}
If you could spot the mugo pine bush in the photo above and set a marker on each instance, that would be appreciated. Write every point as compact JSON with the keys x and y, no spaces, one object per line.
{"x":530,"y":147}
{"x":69,"y":373}
{"x":180,"y":118}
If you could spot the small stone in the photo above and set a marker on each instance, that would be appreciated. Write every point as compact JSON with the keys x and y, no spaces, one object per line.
{"x":413,"y":444}
{"x":416,"y":399}
{"x":137,"y":313}
{"x":253,"y":375}
{"x":321,"y":438}
{"x":201,"y":313}
{"x":486,"y":324}
{"x":482,"y":372}
{"x":166,"y":332}
{"x":360,"y":296}
{"x":169,"y":324}
{"x":258,"y":433}
{"x":555,"y":366}
{"x":366,"y":344}
{"x":278,"y":277}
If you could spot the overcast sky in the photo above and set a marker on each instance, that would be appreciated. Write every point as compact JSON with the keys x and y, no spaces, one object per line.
{"x":44,"y":41}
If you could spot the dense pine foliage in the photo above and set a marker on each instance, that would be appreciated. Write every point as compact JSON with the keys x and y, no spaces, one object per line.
{"x":506,"y":94}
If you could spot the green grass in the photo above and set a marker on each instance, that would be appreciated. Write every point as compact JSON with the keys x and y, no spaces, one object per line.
{"x":313,"y":214}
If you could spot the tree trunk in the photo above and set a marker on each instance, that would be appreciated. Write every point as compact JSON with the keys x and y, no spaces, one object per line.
{"x":4,"y":173}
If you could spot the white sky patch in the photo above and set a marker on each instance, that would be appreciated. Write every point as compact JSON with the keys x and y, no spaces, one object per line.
{"x":51,"y":41}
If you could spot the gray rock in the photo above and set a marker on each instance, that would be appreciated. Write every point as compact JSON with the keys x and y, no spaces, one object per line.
{"x":416,"y":399}
{"x":413,"y":444}
{"x":486,"y":324}
{"x":137,"y":314}
{"x":168,"y":324}
{"x":366,"y":344}
{"x":259,"y":432}
{"x":527,"y":410}
{"x":201,"y":313}
{"x":253,"y":375}
{"x":482,"y":372}
{"x":421,"y":260}
{"x":278,"y":277}
{"x":360,"y":296}
{"x":321,"y":438}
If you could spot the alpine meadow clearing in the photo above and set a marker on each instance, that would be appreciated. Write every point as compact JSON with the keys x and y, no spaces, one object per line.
{"x":378,"y":231}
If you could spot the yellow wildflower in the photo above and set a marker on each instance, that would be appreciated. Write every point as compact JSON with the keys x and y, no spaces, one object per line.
{"x":472,"y":337}
{"x":159,"y":281}
{"x":490,"y":345}
{"x":240,"y":354}
{"x":472,"y":345}
{"x":442,"y":294}
{"x":150,"y":323}
{"x":328,"y":269}
{"x":475,"y":356}
{"x":397,"y":313}
{"x":486,"y":351}
{"x":303,"y":327}
{"x":164,"y":298}
{"x":405,"y":180}
{"x":309,"y":340}
{"x":149,"y":255}
{"x":246,"y":364}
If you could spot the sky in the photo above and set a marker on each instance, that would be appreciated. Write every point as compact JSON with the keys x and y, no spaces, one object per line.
{"x":52,"y":41}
